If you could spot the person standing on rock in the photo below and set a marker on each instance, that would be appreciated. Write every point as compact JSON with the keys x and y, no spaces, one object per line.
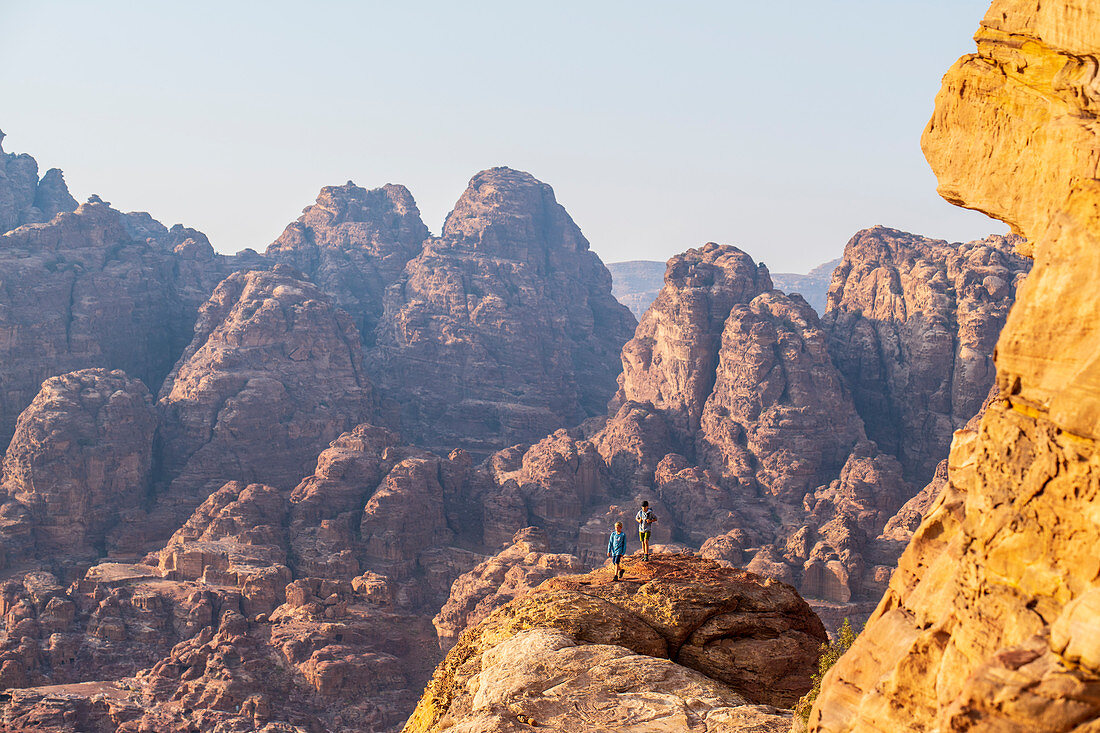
{"x":644,"y":518}
{"x":616,"y":548}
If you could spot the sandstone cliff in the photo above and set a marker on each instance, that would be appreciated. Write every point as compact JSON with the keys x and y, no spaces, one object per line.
{"x":911,"y":325}
{"x":273,"y":374}
{"x":990,"y":620}
{"x":679,"y":643}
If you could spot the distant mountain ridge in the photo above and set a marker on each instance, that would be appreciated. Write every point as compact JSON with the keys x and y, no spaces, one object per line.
{"x":635,"y":283}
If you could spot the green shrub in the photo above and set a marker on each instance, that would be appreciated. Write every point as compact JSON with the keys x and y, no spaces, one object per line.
{"x":830,"y":652}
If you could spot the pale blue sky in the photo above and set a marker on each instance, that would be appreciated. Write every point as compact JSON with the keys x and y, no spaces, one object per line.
{"x":782,"y":128}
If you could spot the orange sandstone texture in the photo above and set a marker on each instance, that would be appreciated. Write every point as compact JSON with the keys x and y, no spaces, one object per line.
{"x":990,"y":622}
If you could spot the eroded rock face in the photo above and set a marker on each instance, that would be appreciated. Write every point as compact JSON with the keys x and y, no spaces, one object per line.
{"x":273,"y":374}
{"x":82,"y":453}
{"x":353,"y":243}
{"x":911,"y":325}
{"x":720,"y":636}
{"x":989,"y":622}
{"x":778,"y":411}
{"x":81,"y":292}
{"x":504,"y":329}
{"x":671,"y":361}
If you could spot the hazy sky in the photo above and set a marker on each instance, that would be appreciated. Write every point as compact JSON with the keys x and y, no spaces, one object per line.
{"x":781,"y":127}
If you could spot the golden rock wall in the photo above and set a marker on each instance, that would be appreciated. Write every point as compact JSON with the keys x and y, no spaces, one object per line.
{"x":992,"y":620}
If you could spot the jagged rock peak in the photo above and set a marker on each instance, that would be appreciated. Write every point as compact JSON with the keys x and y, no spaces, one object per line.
{"x":507,"y":213}
{"x":388,"y":207}
{"x":671,"y":361}
{"x":354,"y":243}
{"x":273,"y":374}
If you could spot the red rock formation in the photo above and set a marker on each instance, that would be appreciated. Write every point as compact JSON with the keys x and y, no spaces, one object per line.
{"x":778,"y":411}
{"x":503,"y":329}
{"x":24,"y":199}
{"x":671,"y":361}
{"x":353,"y":243}
{"x":911,"y":324}
{"x":81,"y":454}
{"x":273,"y":374}
{"x":755,"y":639}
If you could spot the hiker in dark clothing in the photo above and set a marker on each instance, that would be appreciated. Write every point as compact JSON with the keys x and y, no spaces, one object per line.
{"x":616,"y":548}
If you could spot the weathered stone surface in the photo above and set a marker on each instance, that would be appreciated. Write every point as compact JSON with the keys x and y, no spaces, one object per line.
{"x":983,"y":626}
{"x":911,"y":324}
{"x":543,"y":677}
{"x":503,"y":329}
{"x":671,"y":361}
{"x":81,"y":292}
{"x":756,"y":639}
{"x":778,"y":410}
{"x":511,"y":573}
{"x":82,"y":453}
{"x":272,"y":375}
{"x":353,"y":243}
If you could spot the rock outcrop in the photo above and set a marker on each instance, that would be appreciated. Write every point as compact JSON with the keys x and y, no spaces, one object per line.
{"x":709,"y":645}
{"x":354,"y":243}
{"x":504,"y":328}
{"x":96,"y":288}
{"x":911,"y":325}
{"x":672,"y":359}
{"x":778,"y":410}
{"x":24,"y":199}
{"x":273,"y":374}
{"x":81,"y":455}
{"x":989,"y":622}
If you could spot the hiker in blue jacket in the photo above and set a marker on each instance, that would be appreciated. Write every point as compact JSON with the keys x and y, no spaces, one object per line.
{"x":616,"y":548}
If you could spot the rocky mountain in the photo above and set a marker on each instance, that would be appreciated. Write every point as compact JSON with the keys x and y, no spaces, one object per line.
{"x":911,"y":325}
{"x":637,"y":283}
{"x":353,"y":244}
{"x":368,"y":432}
{"x":504,"y":328}
{"x":701,"y":644}
{"x":990,"y":622}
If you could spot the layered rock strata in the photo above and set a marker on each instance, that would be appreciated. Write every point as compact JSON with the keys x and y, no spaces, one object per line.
{"x":990,"y":621}
{"x":708,"y":646}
